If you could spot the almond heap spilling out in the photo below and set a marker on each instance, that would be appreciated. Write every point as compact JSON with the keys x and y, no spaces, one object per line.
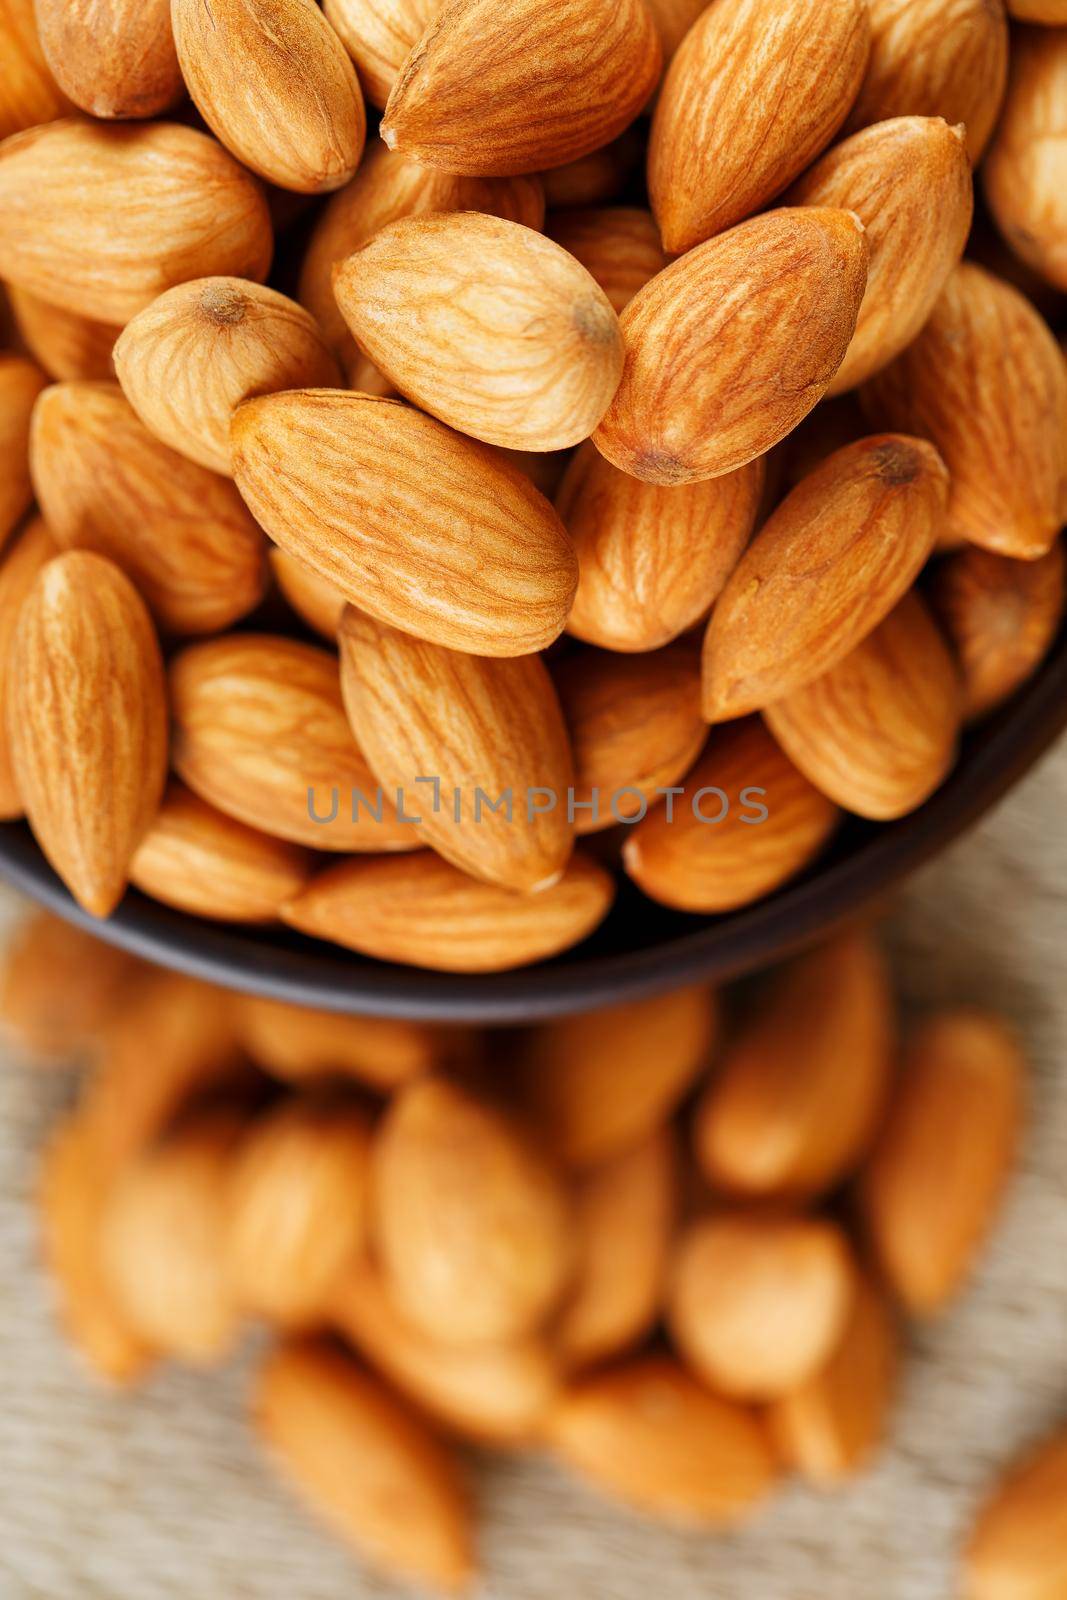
{"x":629,"y":436}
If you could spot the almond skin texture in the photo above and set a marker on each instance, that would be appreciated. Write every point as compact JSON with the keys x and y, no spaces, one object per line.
{"x":261,"y":733}
{"x":366,"y":1463}
{"x":878,"y":732}
{"x":314,"y":600}
{"x":423,"y":912}
{"x":1017,"y":1549}
{"x":730,"y":347}
{"x":101,"y":219}
{"x":909,"y":182}
{"x":275,"y":84}
{"x":411,"y":522}
{"x":487,"y":325}
{"x":618,"y":245}
{"x":181,"y":533}
{"x":472,"y":1224}
{"x":647,"y":1433}
{"x":188,"y":360}
{"x":298,"y":1045}
{"x":20,"y":384}
{"x":66,"y":345}
{"x":379,"y":35}
{"x":46,"y":957}
{"x":483,"y":729}
{"x":28,"y":92}
{"x":1001,"y":617}
{"x":986,"y":382}
{"x":114,"y":58}
{"x":509,"y":86}
{"x":635,"y":727}
{"x":944,"y":1156}
{"x":711,"y":848}
{"x":797,"y":1100}
{"x":199,"y":860}
{"x":673,"y":19}
{"x":835,"y":558}
{"x":87,"y":723}
{"x":936,"y":58}
{"x":1026,"y":171}
{"x":755,"y":91}
{"x":651,"y":559}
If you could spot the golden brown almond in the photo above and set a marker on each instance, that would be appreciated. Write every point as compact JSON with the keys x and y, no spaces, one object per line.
{"x":90,"y":783}
{"x":624,"y":1215}
{"x":509,"y":86}
{"x":29,"y":94}
{"x":102,"y":218}
{"x":878,"y":732}
{"x":618,"y":245}
{"x":1026,"y":170}
{"x":181,"y":533}
{"x":20,"y":384}
{"x":673,"y":19}
{"x":1000,"y":616}
{"x":705,"y":390}
{"x":314,"y":600}
{"x":48,"y":957}
{"x":647,"y":1433}
{"x":796,"y":1102}
{"x":260,"y":732}
{"x":472,"y":1224}
{"x":68,"y":346}
{"x":487,"y":325}
{"x":441,"y":538}
{"x":1049,"y":12}
{"x":114,"y":58}
{"x":755,"y":91}
{"x":635,"y":728}
{"x":834,"y":559}
{"x":600,"y":176}
{"x":33,"y":548}
{"x":297,"y":1044}
{"x":275,"y":84}
{"x":829,"y":1427}
{"x":651,"y":558}
{"x":909,"y":182}
{"x":1018,"y":1547}
{"x":757,"y":1305}
{"x":188,"y":360}
{"x":477,"y":747}
{"x":379,"y":35}
{"x":495,"y":1394}
{"x":598,"y":1083}
{"x":744,"y":823}
{"x":367,"y":1463}
{"x":944,"y":1155}
{"x":986,"y":382}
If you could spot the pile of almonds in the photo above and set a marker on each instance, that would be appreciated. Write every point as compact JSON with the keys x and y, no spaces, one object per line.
{"x":671,"y":1244}
{"x":511,"y":446}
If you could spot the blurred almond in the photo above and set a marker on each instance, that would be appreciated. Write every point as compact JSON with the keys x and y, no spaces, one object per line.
{"x":1026,"y":170}
{"x":1018,"y":1548}
{"x":20,"y":384}
{"x":600,"y":176}
{"x":618,"y":245}
{"x":705,"y":390}
{"x":68,"y":346}
{"x":33,"y":548}
{"x":673,"y":19}
{"x":114,"y":58}
{"x":379,"y":35}
{"x":28,"y":92}
{"x":47,"y":957}
{"x":296,"y":1044}
{"x":1049,"y":12}
{"x":314,"y":600}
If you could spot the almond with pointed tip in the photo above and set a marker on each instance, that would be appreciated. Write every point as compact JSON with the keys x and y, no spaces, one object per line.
{"x":619,"y":245}
{"x":114,"y":58}
{"x":20,"y":384}
{"x":29,"y":95}
{"x":68,"y":346}
{"x":315,"y":601}
{"x":1017,"y":1549}
{"x":1026,"y":170}
{"x":101,"y":218}
{"x":379,"y":35}
{"x":707,"y":388}
{"x":411,"y":522}
{"x":33,"y":548}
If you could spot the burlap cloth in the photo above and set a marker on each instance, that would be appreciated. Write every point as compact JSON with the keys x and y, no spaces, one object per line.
{"x":162,"y":1495}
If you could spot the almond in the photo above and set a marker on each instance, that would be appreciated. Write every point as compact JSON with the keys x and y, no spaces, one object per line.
{"x":114,"y":58}
{"x":755,"y":91}
{"x":379,"y":35}
{"x":878,"y":732}
{"x":598,"y":1083}
{"x":296,"y":1044}
{"x":1026,"y":171}
{"x":828,"y":1428}
{"x":707,"y":388}
{"x":67,"y":345}
{"x":651,"y":558}
{"x":673,"y":19}
{"x":796,"y":1102}
{"x":20,"y":384}
{"x":618,"y":245}
{"x":28,"y":92}
{"x":260,"y":732}
{"x":101,"y":219}
{"x":87,"y":723}
{"x":367,"y":1463}
{"x":181,"y":533}
{"x":423,"y":912}
{"x":744,"y":823}
{"x":273,"y":81}
{"x":986,"y":382}
{"x":1001,"y":617}
{"x":635,"y":728}
{"x":47,"y":957}
{"x":833,"y":424}
{"x":834,"y":559}
{"x":936,"y":58}
{"x":188,"y":360}
{"x":945,"y":1154}
{"x":472,"y":1224}
{"x":1049,"y":12}
{"x":909,"y":182}
{"x":413,"y":523}
{"x":1018,"y":1549}
{"x":600,"y":176}
{"x":460,"y":736}
{"x":647,"y":1433}
{"x":314,"y":600}
{"x":509,"y":86}
{"x":33,"y":549}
